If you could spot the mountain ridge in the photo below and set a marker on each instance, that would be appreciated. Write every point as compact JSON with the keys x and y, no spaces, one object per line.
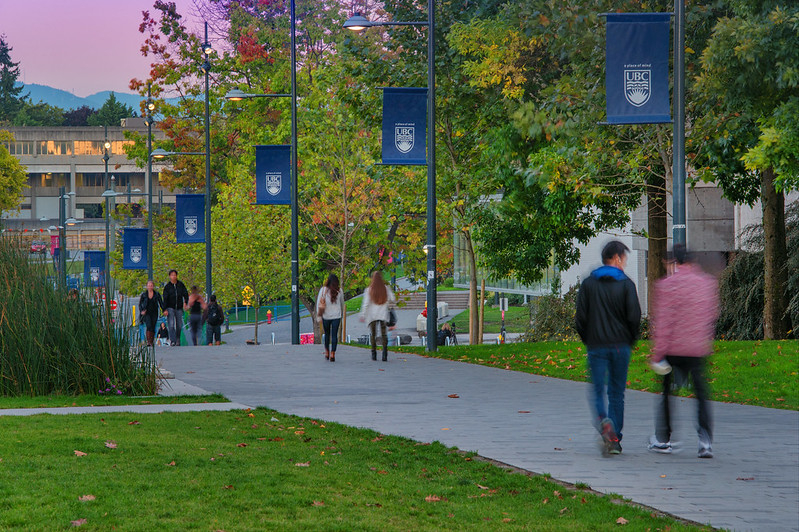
{"x":68,"y":101}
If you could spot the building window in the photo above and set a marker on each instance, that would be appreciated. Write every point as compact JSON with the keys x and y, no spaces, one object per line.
{"x":20,"y":148}
{"x":55,"y":147}
{"x":91,"y":210}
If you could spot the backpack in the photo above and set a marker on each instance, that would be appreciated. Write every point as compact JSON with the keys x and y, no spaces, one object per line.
{"x":215,"y":316}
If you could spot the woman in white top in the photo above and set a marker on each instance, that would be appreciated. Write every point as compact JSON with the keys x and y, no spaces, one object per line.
{"x":375,"y":309}
{"x":329,"y":309}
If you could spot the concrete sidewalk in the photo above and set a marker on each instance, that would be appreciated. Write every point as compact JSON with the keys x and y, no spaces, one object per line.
{"x":532,"y":422}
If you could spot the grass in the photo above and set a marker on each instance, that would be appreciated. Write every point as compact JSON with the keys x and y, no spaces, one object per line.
{"x":60,"y":401}
{"x":760,"y":373}
{"x":517,"y":320}
{"x":262,"y":470}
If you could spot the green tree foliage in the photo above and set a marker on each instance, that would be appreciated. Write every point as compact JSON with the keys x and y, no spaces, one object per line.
{"x":13,"y":176}
{"x":111,"y":113}
{"x":747,"y":134}
{"x":11,"y":98}
{"x":39,"y":114}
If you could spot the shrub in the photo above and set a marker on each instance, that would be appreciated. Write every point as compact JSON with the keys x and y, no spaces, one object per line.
{"x":54,"y":343}
{"x":552,"y":318}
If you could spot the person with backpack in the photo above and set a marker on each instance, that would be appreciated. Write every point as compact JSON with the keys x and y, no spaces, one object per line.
{"x":214,"y":318}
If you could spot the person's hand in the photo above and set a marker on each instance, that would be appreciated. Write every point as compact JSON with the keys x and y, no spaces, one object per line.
{"x":392,"y":327}
{"x":166,"y":313}
{"x":143,"y":312}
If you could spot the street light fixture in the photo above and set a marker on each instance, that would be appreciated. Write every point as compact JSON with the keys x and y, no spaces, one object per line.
{"x":360,"y":23}
{"x":206,"y":66}
{"x":236,"y":95}
{"x":107,"y":146}
{"x":149,"y":120}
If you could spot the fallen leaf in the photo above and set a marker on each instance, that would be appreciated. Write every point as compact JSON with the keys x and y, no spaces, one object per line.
{"x":745,"y":478}
{"x":228,"y":487}
{"x":111,"y":444}
{"x":507,"y":520}
{"x":546,"y":500}
{"x":78,"y":522}
{"x":318,"y":503}
{"x":453,"y":396}
{"x":241,"y":445}
{"x":583,"y":500}
{"x":79,"y":453}
{"x":564,"y":510}
{"x":621,"y":521}
{"x":382,"y":472}
{"x":557,"y":494}
{"x":524,"y":411}
{"x":482,"y":487}
{"x":276,"y":438}
{"x":250,"y":415}
{"x":558,"y":448}
{"x":84,"y":498}
{"x":445,"y":428}
{"x":134,"y":423}
{"x":172,"y":463}
{"x":662,"y":476}
{"x":433,"y":498}
{"x":303,"y":464}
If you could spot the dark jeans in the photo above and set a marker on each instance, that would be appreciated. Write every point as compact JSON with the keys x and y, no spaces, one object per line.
{"x":331,"y":333}
{"x":373,"y":329}
{"x":212,"y":332}
{"x":174,"y":322}
{"x":608,"y":366}
{"x":195,"y":326}
{"x":695,"y":367}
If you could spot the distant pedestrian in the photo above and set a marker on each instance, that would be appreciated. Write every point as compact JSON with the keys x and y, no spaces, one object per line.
{"x":150,"y":306}
{"x":329,"y":309}
{"x":375,"y":311}
{"x":684,"y":313}
{"x":176,"y":297}
{"x":214,"y":317}
{"x":162,"y":337}
{"x":608,"y":320}
{"x":196,"y":306}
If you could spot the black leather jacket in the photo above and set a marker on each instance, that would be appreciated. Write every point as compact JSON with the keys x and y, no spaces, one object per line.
{"x":607,"y":311}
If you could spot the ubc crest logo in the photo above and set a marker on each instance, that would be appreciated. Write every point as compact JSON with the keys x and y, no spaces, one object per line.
{"x":94,"y":274}
{"x":190,"y":224}
{"x":404,"y":138}
{"x":274,"y":183}
{"x":637,"y":86}
{"x":135,"y":253}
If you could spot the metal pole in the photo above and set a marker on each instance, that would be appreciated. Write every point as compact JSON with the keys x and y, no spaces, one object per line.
{"x":295,"y":231}
{"x":107,"y":217}
{"x":432,"y":309}
{"x":149,"y":188}
{"x":127,"y":218}
{"x":678,"y":172}
{"x":62,"y":237}
{"x":207,"y":68}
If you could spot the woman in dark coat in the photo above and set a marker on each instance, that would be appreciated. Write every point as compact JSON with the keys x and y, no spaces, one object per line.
{"x":151,"y":305}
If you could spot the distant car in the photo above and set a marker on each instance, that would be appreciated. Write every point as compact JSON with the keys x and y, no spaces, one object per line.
{"x":38,"y":246}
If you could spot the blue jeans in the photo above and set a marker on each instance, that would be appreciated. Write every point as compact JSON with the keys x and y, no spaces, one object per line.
{"x":608,"y":366}
{"x":330,"y":328}
{"x":174,"y":322}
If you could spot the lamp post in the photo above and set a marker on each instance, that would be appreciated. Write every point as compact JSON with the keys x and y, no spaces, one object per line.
{"x":149,"y":120}
{"x":107,"y":197}
{"x":108,"y":194}
{"x":206,"y":66}
{"x":238,"y":95}
{"x":360,"y":23}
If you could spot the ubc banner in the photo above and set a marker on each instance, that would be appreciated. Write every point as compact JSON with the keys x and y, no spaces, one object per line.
{"x":637,"y":68}
{"x":404,"y":125}
{"x":190,"y":218}
{"x":273,"y":175}
{"x":134,"y":248}
{"x":94,"y":268}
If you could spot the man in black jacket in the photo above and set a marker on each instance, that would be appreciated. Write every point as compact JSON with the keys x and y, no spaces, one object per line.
{"x":608,"y":320}
{"x":176,"y":297}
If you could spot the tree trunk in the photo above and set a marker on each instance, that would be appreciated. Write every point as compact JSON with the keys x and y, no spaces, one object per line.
{"x":473,"y":315}
{"x":775,"y":258}
{"x":658,"y":235}
{"x":257,"y":309}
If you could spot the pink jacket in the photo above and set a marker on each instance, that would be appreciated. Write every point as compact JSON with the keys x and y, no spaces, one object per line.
{"x":684,"y":313}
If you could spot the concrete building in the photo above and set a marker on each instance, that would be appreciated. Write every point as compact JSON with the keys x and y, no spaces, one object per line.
{"x":72,"y":157}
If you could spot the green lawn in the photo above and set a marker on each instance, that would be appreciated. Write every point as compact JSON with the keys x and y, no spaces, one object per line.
{"x":262,"y":470}
{"x":58,"y":401}
{"x":516,"y":320}
{"x":761,"y":373}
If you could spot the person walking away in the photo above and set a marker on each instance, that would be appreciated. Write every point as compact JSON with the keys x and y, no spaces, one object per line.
{"x":196,"y":306}
{"x":214,"y":317}
{"x":175,"y":299}
{"x":150,"y":306}
{"x":329,"y":309}
{"x":375,"y":309}
{"x":608,"y":320}
{"x":684,"y":313}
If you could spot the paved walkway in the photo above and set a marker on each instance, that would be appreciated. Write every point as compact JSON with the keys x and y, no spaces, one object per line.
{"x":532,"y":422}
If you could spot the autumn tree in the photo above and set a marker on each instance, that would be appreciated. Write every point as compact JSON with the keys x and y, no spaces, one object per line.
{"x":13,"y":176}
{"x":747,"y":139}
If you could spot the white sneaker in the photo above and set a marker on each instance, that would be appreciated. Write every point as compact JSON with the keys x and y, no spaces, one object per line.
{"x":659,"y":447}
{"x":705,"y":452}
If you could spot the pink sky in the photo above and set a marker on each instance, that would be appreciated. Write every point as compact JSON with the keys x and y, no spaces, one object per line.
{"x":81,"y":46}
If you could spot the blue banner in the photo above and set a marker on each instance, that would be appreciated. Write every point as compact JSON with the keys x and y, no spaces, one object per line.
{"x":637,"y":68}
{"x":134,"y":248}
{"x":189,"y":218}
{"x":273,"y":175}
{"x":404,"y":125}
{"x":94,"y":268}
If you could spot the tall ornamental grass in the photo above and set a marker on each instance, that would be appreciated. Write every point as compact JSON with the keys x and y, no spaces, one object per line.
{"x":55,"y":343}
